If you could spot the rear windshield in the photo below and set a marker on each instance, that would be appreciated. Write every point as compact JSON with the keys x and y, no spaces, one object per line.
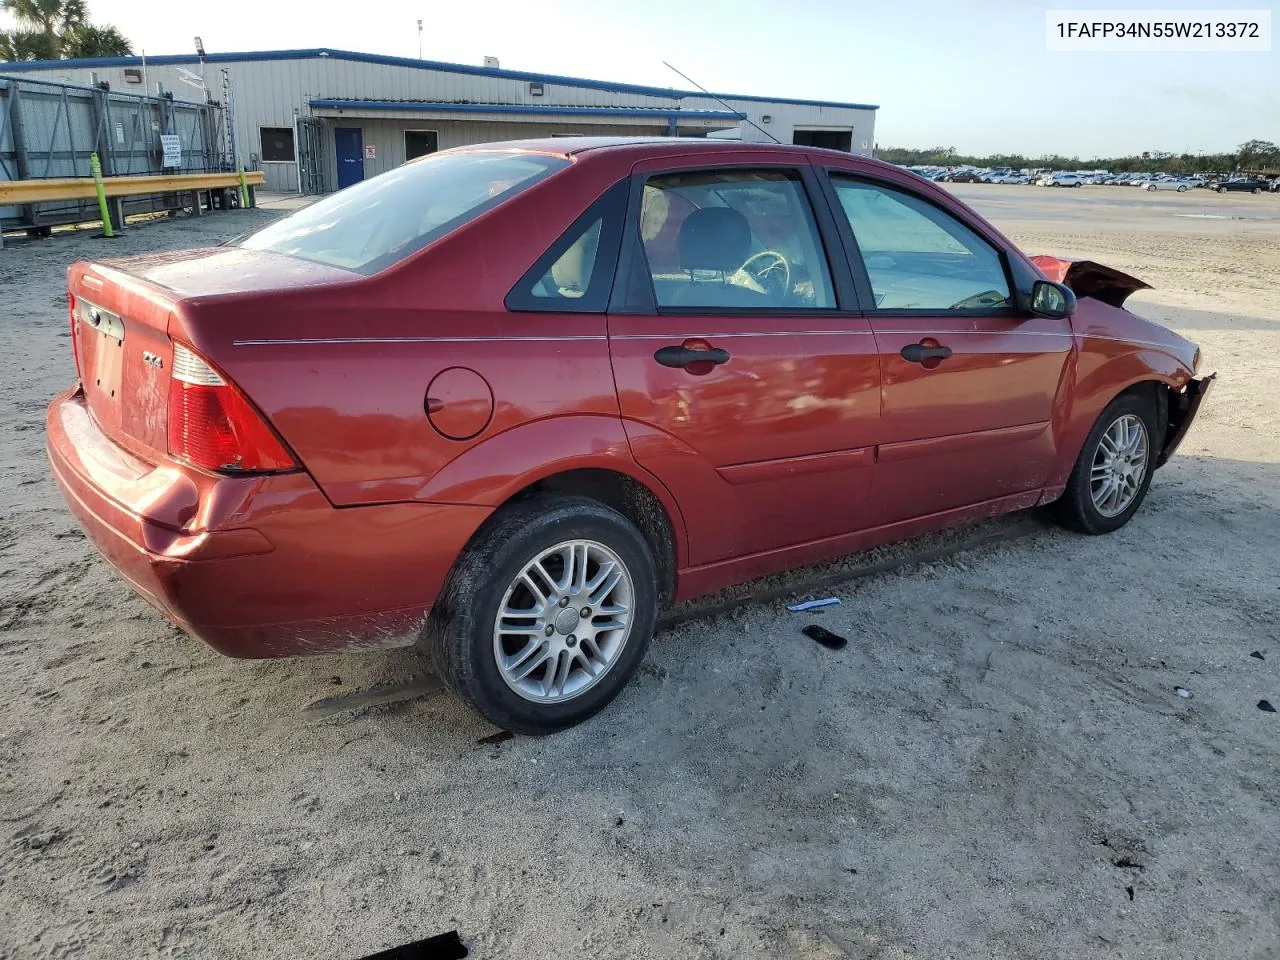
{"x":375,"y":223}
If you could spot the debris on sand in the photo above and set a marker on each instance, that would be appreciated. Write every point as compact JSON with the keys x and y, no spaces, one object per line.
{"x":812,"y":604}
{"x":1266,"y":707}
{"x":832,"y":641}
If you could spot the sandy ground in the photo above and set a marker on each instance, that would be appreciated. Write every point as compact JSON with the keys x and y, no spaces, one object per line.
{"x":997,"y":766}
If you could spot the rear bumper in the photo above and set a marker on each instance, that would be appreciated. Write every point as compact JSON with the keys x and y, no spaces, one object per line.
{"x":1183,"y":408}
{"x":256,"y":566}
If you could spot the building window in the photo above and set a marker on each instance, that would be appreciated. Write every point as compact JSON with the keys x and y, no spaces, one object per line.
{"x":418,"y":143}
{"x":277,"y":145}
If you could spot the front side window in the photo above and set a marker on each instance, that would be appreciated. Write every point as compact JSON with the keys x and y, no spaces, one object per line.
{"x":917,"y":256}
{"x":377,"y":222}
{"x":733,"y":239}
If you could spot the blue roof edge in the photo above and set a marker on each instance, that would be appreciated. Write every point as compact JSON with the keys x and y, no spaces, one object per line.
{"x":26,"y":66}
{"x":443,"y":106}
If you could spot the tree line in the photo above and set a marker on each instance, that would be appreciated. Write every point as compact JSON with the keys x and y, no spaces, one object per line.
{"x":1250,"y":155}
{"x":57,"y":30}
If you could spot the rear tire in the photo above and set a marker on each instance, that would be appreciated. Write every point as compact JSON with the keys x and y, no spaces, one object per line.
{"x":1257,"y":190}
{"x":577,"y":646}
{"x":1113,"y":472}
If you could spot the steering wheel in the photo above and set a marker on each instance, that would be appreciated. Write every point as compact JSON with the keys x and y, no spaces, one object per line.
{"x":771,"y":271}
{"x":987,"y":298}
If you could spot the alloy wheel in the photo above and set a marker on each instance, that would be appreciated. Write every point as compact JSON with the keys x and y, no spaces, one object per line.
{"x":1119,"y":465}
{"x":563,"y":621}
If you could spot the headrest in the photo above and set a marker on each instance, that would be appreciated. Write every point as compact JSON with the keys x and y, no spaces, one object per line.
{"x":714,"y":238}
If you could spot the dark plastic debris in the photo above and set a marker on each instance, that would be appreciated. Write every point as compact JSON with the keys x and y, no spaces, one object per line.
{"x":1266,"y":707}
{"x":832,"y":641}
{"x":445,"y":946}
{"x":502,"y":736}
{"x":1257,"y":655}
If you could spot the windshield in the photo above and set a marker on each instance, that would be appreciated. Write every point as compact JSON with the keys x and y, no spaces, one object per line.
{"x":380,"y":221}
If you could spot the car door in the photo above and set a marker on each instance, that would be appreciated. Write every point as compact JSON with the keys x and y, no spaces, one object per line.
{"x":968,"y":385}
{"x":747,"y":381}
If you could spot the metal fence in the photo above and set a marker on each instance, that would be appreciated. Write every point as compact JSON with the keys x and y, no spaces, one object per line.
{"x":51,"y":129}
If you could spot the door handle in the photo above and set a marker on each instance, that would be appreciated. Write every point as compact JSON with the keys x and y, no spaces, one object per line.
{"x":684,"y":356}
{"x":919,"y":353}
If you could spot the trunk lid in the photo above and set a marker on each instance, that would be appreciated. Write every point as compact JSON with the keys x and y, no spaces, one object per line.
{"x":124,"y":313}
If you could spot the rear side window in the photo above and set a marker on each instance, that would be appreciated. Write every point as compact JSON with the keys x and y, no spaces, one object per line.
{"x":375,"y":223}
{"x":576,"y":274}
{"x":918,"y":257}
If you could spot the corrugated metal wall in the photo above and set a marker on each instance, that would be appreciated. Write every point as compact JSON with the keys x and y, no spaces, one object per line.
{"x":272,"y":92}
{"x":51,"y":129}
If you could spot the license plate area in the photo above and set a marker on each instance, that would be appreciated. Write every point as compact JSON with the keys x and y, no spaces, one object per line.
{"x":101,"y":337}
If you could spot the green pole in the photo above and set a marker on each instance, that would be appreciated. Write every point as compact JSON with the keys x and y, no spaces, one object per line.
{"x":95,"y":166}
{"x":244,"y":186}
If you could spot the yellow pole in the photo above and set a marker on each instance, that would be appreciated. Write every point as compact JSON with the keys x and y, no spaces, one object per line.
{"x":244,"y":187}
{"x":95,"y":167}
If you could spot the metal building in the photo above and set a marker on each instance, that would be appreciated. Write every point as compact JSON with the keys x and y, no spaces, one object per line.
{"x":318,"y":120}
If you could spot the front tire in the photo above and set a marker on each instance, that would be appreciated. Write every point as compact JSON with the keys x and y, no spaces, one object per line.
{"x":547,"y":615}
{"x":1113,"y":472}
{"x":1222,"y":189}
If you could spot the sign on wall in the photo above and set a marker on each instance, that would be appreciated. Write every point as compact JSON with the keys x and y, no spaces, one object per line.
{"x":370,"y":151}
{"x":172,"y":147}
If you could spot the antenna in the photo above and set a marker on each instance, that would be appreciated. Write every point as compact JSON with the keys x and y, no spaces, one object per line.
{"x":721,"y":102}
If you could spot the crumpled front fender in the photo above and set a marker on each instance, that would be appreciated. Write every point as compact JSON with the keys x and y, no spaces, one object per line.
{"x":1183,"y":407}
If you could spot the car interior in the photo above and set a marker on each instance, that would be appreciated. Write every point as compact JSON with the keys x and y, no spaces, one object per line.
{"x":918,"y":257}
{"x":733,"y":239}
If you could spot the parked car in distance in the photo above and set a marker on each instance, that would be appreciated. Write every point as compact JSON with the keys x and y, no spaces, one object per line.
{"x":508,"y":401}
{"x":1240,"y":185}
{"x":1169,"y":183}
{"x":1061,"y":180}
{"x":962,"y":176}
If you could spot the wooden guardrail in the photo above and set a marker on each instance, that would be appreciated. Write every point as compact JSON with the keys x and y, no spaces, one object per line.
{"x":83,"y":188}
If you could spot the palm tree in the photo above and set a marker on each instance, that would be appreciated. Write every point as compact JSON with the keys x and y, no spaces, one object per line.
{"x":91,"y":40}
{"x":53,"y":29}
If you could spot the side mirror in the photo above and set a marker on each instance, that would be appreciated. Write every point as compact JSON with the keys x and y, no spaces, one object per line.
{"x":1052,"y":300}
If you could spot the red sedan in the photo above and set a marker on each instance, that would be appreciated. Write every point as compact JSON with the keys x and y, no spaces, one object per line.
{"x":508,"y":401}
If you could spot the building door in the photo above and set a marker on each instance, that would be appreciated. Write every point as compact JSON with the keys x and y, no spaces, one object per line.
{"x":418,"y":143}
{"x":829,"y":139}
{"x":349,"y":143}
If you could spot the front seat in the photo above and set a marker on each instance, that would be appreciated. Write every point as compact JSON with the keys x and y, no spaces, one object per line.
{"x":716,"y":240}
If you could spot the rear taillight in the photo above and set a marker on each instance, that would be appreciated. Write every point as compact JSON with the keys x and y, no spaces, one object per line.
{"x":212,"y":425}
{"x":75,"y":339}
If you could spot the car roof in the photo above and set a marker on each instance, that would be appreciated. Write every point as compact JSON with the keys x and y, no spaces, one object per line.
{"x":642,"y":148}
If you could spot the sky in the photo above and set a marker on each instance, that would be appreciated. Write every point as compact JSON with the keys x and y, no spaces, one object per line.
{"x":970,"y":74}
